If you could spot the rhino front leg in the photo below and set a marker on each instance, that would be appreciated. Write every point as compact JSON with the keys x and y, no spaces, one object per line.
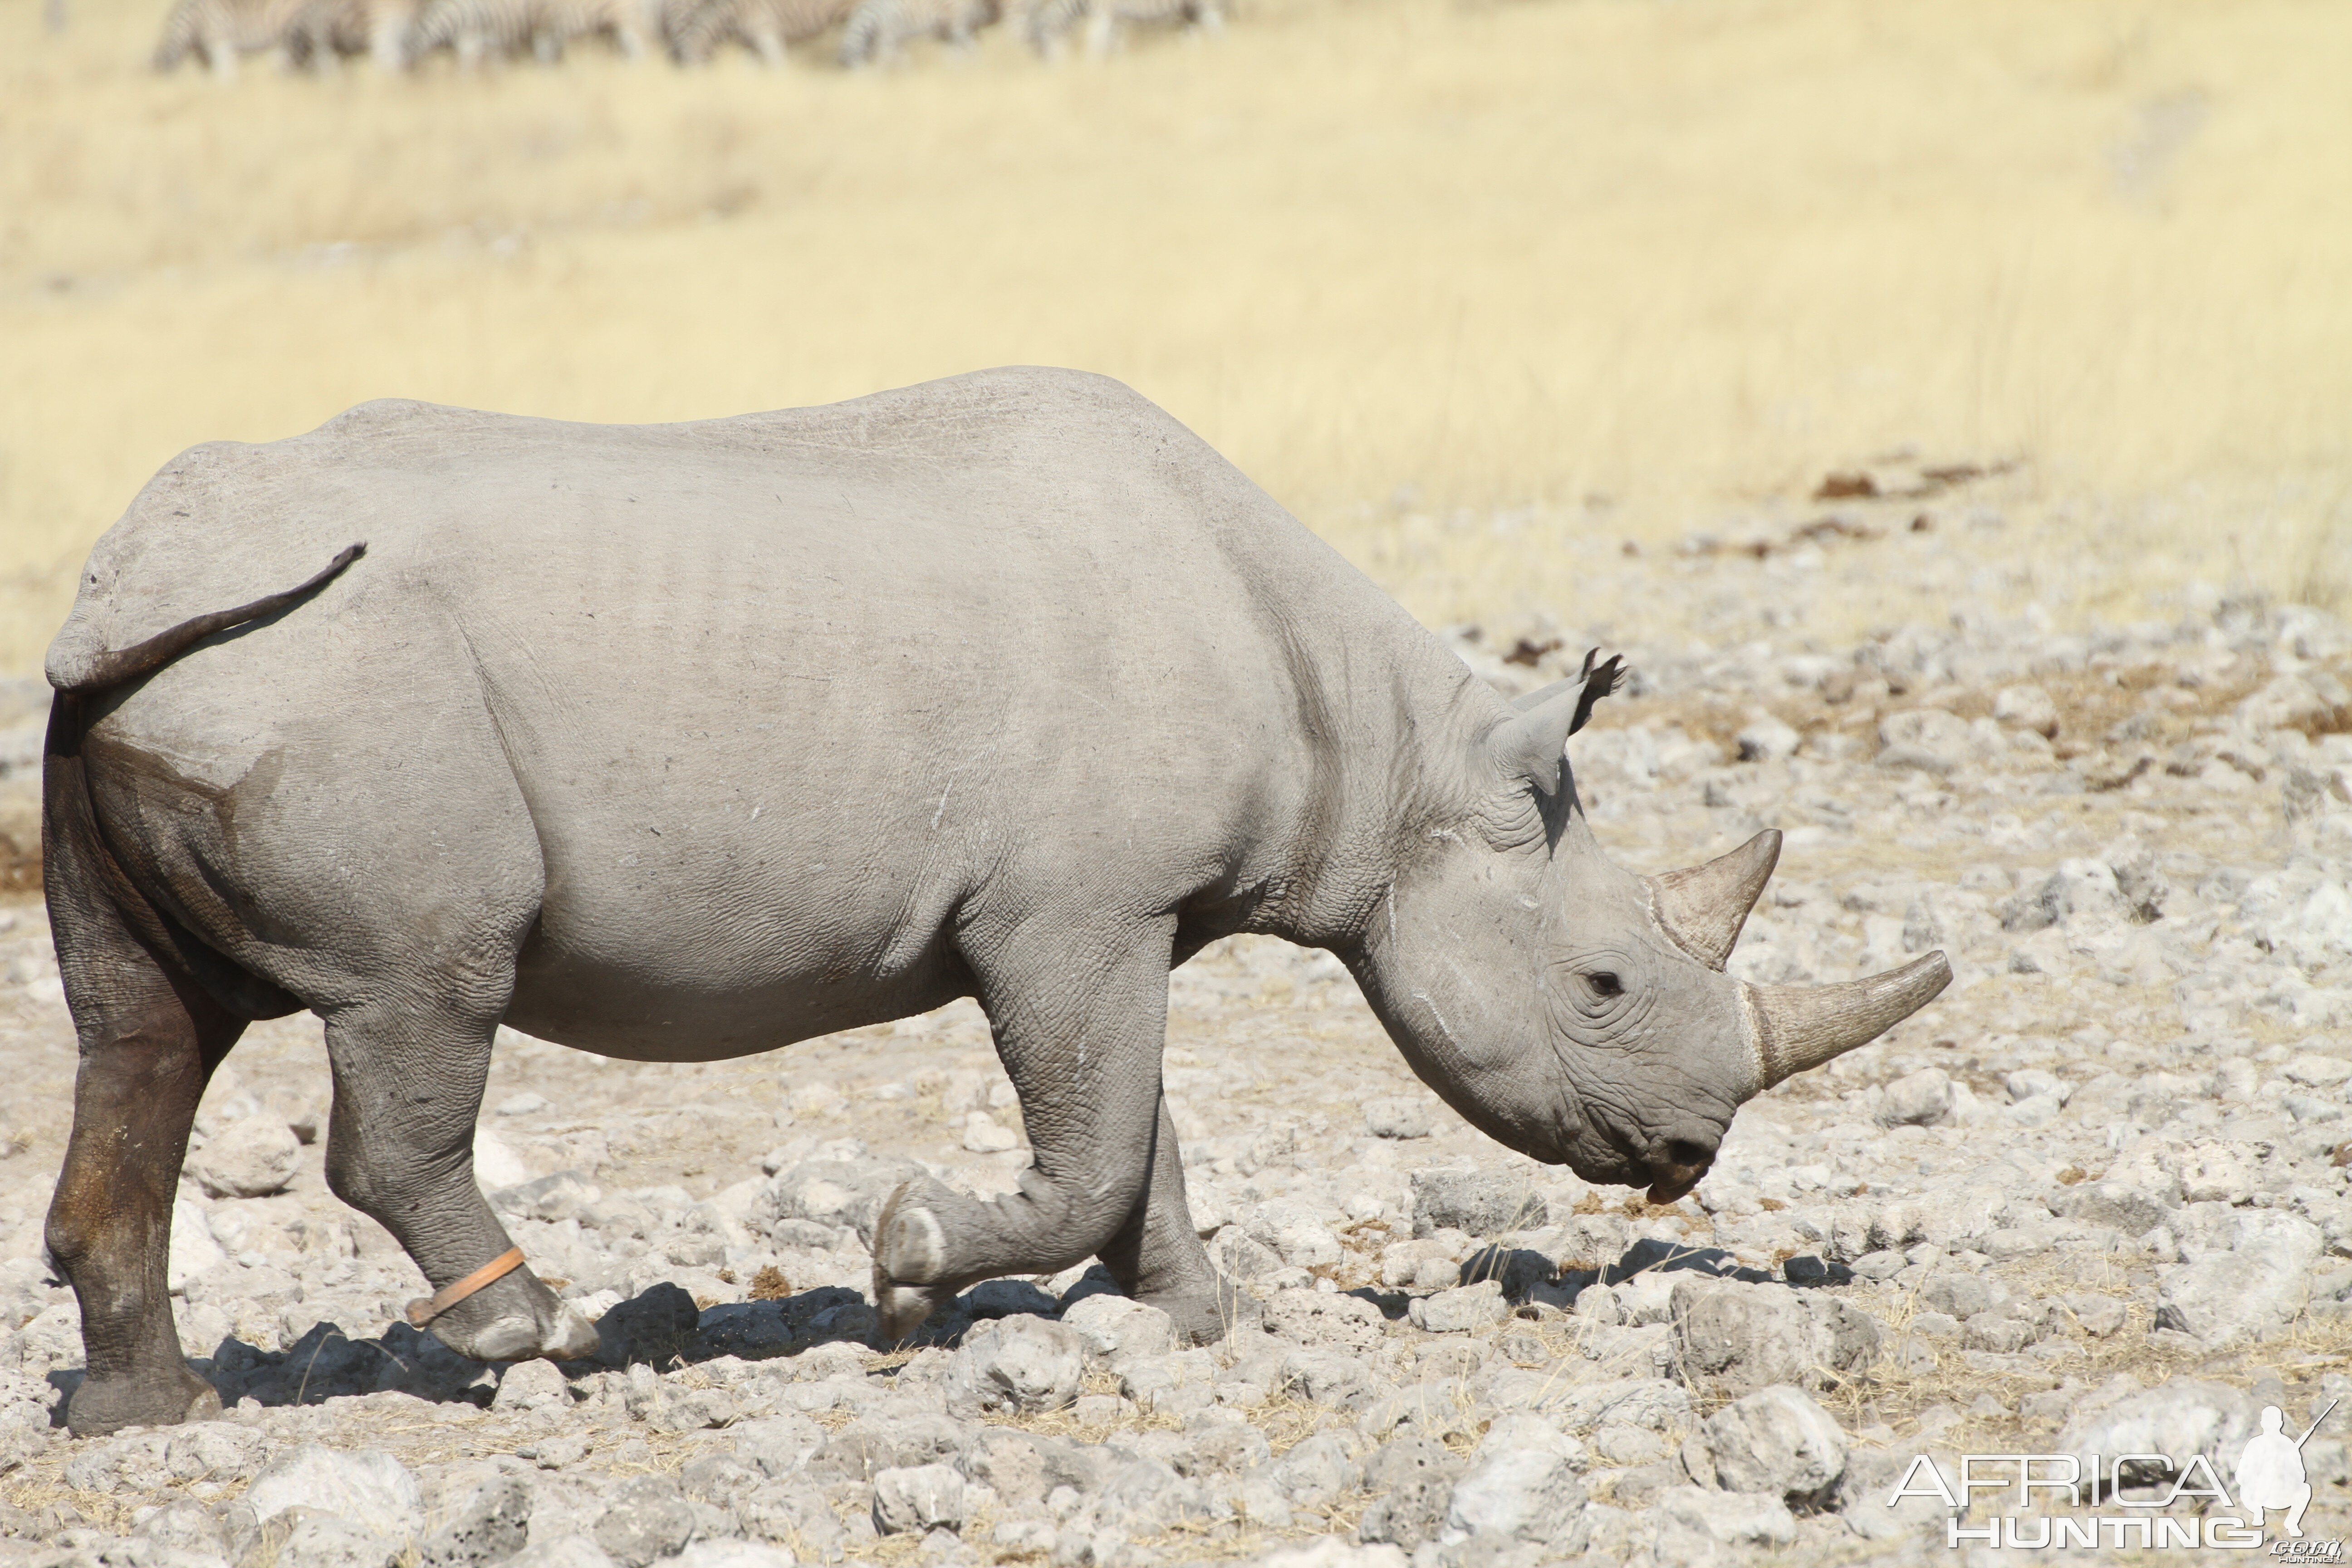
{"x":409,"y":1075}
{"x":1157,"y":1256}
{"x":1079,"y":1018}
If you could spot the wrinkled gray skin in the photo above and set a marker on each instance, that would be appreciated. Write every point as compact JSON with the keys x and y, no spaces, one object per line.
{"x":685,"y":741}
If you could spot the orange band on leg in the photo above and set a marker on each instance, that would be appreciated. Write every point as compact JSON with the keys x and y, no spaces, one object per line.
{"x":425,"y":1309}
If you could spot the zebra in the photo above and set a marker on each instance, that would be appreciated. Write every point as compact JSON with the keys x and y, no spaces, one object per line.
{"x":1048,"y":24}
{"x":474,"y":29}
{"x":327,"y":31}
{"x":766,"y":27}
{"x":878,"y":29}
{"x":221,"y":30}
{"x":667,"y":20}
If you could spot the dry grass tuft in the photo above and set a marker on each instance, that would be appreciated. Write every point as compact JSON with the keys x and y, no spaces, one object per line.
{"x":2139,"y":710}
{"x":1916,"y":1376}
{"x":20,"y":867}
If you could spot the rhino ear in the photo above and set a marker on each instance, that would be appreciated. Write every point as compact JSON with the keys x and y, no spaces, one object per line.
{"x":1529,"y":744}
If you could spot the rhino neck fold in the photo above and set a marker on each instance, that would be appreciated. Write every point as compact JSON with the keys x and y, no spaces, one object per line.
{"x":1382,"y":776}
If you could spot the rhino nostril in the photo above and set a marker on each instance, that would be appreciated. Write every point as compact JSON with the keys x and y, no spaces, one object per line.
{"x":1685,"y":1154}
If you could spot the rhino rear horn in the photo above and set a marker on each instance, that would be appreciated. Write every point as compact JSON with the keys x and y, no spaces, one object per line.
{"x":1702,"y":908}
{"x":1792,"y":1027}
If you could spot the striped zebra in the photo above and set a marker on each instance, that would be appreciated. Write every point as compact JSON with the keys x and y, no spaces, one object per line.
{"x":879,"y":29}
{"x":1048,"y":24}
{"x":327,"y":31}
{"x":667,"y":20}
{"x":767,"y":28}
{"x":475,"y":30}
{"x":218,"y":31}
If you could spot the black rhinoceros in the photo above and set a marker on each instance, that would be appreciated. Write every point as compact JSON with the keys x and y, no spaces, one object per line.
{"x":679,"y":742}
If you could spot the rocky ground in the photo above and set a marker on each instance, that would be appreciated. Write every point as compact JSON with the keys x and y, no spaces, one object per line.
{"x":2092,"y":1199}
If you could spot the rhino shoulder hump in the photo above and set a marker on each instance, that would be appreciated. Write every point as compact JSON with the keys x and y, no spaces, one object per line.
{"x":382,"y":413}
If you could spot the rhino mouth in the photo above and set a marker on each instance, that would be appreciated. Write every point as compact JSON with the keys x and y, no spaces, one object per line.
{"x":1677,"y":1166}
{"x":1669,"y":1184}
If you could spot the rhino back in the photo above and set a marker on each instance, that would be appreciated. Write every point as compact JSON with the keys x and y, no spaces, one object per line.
{"x":782,"y":692}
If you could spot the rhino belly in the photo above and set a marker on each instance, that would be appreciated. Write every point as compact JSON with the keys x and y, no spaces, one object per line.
{"x":688,"y":957}
{"x":646,"y":1023}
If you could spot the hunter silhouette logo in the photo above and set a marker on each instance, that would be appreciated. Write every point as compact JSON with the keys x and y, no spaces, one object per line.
{"x":2271,"y":1473}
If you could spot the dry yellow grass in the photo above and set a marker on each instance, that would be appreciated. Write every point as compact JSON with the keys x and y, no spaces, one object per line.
{"x":1684,"y":257}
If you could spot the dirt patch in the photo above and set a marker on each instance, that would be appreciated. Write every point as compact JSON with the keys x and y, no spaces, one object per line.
{"x":20,"y":867}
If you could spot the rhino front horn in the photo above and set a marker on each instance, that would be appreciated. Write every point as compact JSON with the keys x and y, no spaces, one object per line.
{"x":1702,"y":908}
{"x":1793,"y":1027}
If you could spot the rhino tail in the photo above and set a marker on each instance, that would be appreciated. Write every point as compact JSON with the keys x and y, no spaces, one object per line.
{"x":112,"y":667}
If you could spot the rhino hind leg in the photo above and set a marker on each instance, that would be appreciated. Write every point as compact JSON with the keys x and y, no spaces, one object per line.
{"x":149,"y":1040}
{"x":409,"y":1072}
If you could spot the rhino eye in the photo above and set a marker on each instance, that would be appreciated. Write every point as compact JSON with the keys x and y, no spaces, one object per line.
{"x":1605,"y":982}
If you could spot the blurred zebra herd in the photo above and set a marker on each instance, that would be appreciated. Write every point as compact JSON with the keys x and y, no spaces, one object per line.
{"x":399,"y":35}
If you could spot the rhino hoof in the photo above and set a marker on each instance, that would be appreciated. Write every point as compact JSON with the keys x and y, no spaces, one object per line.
{"x":1208,"y":1317}
{"x":511,"y":1338}
{"x":903,"y":1307}
{"x":574,"y":1337}
{"x":99,"y":1408}
{"x":517,"y":1337}
{"x":908,"y":1245}
{"x":910,"y":1259}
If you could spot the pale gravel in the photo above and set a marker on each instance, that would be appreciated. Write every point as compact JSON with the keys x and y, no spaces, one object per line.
{"x":2093,"y":1188}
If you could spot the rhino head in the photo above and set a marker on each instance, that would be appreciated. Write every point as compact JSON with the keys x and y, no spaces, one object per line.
{"x":1575,"y":1010}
